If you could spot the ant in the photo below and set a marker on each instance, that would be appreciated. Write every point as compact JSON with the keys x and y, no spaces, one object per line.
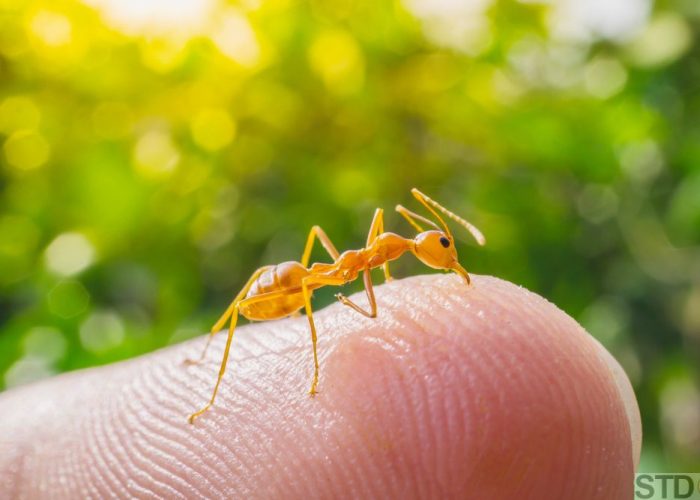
{"x":273,"y":292}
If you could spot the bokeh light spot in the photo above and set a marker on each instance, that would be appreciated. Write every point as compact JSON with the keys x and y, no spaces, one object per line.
{"x":68,"y":299}
{"x":101,"y":331}
{"x":213,"y":129}
{"x":336,"y":57}
{"x":69,"y":254}
{"x":52,"y":28}
{"x":597,"y":203}
{"x":610,"y":19}
{"x":457,"y":24}
{"x":155,"y":17}
{"x":26,"y":150}
{"x":237,"y":39}
{"x":641,"y":161}
{"x":45,"y":342}
{"x":665,"y":39}
{"x":604,"y":77}
{"x":155,"y":154}
{"x":28,"y":369}
{"x":679,"y":402}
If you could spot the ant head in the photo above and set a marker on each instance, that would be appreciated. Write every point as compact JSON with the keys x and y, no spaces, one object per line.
{"x":436,"y":249}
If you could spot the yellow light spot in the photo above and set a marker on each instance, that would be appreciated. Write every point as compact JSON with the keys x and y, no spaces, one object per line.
{"x":212,"y":129}
{"x":163,"y":54}
{"x":69,"y":254}
{"x":18,"y":113}
{"x":155,"y":154}
{"x":26,"y":150}
{"x":237,"y":39}
{"x":52,"y":28}
{"x":336,"y":57}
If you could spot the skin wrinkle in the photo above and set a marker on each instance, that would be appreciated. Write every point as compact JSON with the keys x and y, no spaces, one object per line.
{"x":555,"y":386}
{"x":365,"y":432}
{"x":236,"y":459}
{"x":436,"y":415}
{"x":353,"y":469}
{"x":448,"y":392}
{"x":494,"y":354}
{"x":272,"y":418}
{"x":404,"y":395}
{"x":171,"y":434}
{"x":106,"y":479}
{"x":432,"y":449}
{"x":150,"y":432}
{"x":129,"y":415}
{"x":142,"y":465}
{"x":146,"y":423}
{"x":112,"y":407}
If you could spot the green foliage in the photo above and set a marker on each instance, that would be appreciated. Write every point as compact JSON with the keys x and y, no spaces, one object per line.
{"x":153,"y":155}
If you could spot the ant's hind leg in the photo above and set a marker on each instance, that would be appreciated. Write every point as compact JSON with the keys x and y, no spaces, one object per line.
{"x":222,"y":369}
{"x":225,"y":317}
{"x":214,"y":330}
{"x":239,"y":305}
{"x":372,"y":313}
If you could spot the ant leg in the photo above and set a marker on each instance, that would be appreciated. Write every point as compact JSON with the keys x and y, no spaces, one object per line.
{"x":305,"y":284}
{"x":367,"y":277}
{"x":225,"y":317}
{"x":317,"y":232}
{"x":237,"y":305}
{"x":375,"y":229}
{"x":222,"y":369}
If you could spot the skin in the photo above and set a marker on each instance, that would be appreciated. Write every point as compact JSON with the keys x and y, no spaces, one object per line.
{"x":486,"y":391}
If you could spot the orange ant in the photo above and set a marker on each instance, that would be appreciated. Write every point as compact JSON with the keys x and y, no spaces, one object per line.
{"x":274,"y":292}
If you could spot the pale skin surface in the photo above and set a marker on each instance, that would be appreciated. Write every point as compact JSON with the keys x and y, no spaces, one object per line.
{"x":452,"y":391}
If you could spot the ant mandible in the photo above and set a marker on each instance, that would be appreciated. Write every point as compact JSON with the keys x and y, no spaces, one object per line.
{"x":274,"y":292}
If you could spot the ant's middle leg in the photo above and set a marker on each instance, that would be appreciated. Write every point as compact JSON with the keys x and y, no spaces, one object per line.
{"x":372,"y":313}
{"x":306,"y":284}
{"x":375,"y":229}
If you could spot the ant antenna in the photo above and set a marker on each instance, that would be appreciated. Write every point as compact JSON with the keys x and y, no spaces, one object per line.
{"x":410,"y":216}
{"x":429,"y":203}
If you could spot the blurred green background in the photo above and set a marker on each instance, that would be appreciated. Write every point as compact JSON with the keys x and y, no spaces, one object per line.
{"x":154,"y":153}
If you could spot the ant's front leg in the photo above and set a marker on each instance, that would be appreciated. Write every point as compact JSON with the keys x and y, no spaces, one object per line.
{"x":372,"y":313}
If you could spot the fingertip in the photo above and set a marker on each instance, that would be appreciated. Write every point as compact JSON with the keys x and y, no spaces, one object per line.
{"x":453,"y":391}
{"x":628,"y":398}
{"x":495,"y":378}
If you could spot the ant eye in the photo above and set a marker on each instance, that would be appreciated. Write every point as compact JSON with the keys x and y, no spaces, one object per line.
{"x":444,"y":242}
